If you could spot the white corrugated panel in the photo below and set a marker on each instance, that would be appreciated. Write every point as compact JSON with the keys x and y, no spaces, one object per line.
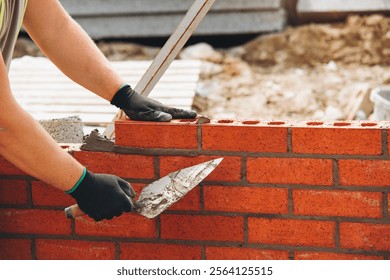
{"x":46,"y":93}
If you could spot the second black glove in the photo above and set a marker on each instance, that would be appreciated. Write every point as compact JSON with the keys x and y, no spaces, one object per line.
{"x":138,"y":107}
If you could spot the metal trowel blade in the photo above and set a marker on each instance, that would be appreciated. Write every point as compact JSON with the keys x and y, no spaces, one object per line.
{"x":159,"y":195}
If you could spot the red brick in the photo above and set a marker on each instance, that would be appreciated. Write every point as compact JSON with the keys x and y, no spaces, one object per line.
{"x":302,"y":171}
{"x":364,"y":173}
{"x":46,"y":195}
{"x":190,"y":202}
{"x":33,"y":221}
{"x":216,"y":228}
{"x":228,"y":170}
{"x":15,"y":249}
{"x":388,"y":205}
{"x":155,"y":251}
{"x":388,"y":141}
{"x":365,"y":236}
{"x":245,"y":199}
{"x":74,"y":250}
{"x":171,"y":135}
{"x":291,"y":232}
{"x":244,"y":138}
{"x":344,"y":141}
{"x":7,"y":168}
{"x":333,"y":256}
{"x":125,"y":166}
{"x":337,"y":203}
{"x":13,"y":192}
{"x":231,"y":253}
{"x":127,"y":225}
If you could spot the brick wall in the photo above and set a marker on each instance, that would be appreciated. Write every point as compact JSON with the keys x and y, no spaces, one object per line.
{"x":308,"y":190}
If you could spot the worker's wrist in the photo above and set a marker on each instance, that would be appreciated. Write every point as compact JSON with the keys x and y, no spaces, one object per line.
{"x":122,"y":97}
{"x":70,"y":191}
{"x":122,"y":86}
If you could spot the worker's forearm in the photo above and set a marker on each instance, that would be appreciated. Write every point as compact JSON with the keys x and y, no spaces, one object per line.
{"x":25,"y":144}
{"x":28,"y":146}
{"x":65,"y":43}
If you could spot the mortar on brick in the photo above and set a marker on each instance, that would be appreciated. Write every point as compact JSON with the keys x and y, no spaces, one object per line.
{"x":97,"y":142}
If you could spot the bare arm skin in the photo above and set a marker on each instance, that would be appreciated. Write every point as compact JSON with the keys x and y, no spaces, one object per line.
{"x":69,"y":47}
{"x":23,"y":141}
{"x":27,"y":145}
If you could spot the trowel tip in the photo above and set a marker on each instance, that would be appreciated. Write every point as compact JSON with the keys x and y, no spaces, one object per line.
{"x":217,"y":161}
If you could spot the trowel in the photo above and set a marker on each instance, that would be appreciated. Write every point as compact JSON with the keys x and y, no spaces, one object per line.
{"x":159,"y":195}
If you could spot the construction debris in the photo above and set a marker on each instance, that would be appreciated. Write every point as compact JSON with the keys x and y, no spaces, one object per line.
{"x":363,"y":40}
{"x":307,"y":72}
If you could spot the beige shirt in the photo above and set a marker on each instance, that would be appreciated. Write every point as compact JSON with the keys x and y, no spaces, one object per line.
{"x":11,"y":16}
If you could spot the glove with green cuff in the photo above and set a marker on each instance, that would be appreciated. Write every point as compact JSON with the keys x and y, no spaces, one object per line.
{"x":138,"y":107}
{"x":102,"y":196}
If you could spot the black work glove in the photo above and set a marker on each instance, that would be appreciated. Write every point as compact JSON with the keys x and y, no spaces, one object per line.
{"x":138,"y":107}
{"x":103,"y":196}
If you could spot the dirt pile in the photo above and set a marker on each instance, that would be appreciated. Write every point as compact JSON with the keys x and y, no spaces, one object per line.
{"x":363,"y":40}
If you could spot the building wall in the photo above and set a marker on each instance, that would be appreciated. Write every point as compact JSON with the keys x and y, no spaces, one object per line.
{"x":156,"y":18}
{"x":334,"y":10}
{"x":304,"y":190}
{"x":104,"y":19}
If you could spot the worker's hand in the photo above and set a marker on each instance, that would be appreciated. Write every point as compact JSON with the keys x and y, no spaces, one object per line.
{"x":138,"y":107}
{"x":103,"y":196}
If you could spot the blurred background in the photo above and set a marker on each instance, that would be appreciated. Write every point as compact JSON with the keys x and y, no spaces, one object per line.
{"x":268,"y":59}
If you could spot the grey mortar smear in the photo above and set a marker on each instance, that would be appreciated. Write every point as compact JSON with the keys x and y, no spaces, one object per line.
{"x":97,"y":142}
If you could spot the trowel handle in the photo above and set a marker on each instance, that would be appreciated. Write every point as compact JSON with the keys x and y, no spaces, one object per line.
{"x":73,"y":211}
